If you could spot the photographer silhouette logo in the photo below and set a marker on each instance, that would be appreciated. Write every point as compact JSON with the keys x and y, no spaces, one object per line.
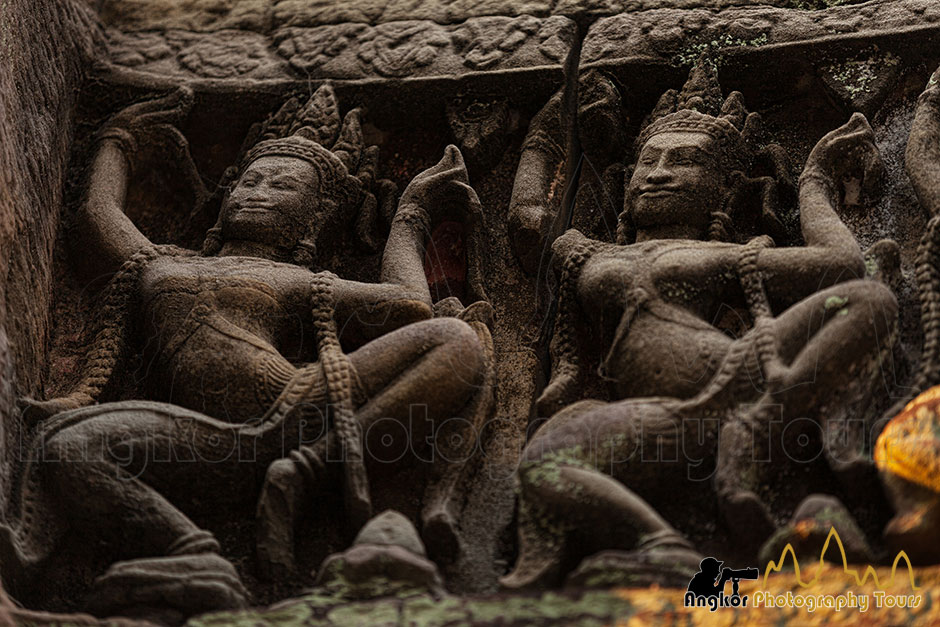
{"x":707,"y":587}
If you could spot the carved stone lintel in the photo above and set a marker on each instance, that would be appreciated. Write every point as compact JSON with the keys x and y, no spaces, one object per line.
{"x":672,"y":35}
{"x":404,"y":49}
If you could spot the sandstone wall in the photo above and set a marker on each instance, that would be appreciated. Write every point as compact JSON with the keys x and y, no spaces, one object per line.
{"x":44,"y":48}
{"x":267,"y":15}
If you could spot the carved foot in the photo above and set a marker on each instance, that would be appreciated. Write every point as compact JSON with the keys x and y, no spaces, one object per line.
{"x":287,"y":487}
{"x":671,"y":566}
{"x":441,"y":536}
{"x":168,"y":590}
{"x":533,"y":573}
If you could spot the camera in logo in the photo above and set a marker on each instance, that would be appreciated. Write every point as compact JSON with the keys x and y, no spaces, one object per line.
{"x":707,"y":587}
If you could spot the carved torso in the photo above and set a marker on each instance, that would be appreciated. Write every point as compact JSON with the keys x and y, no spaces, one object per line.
{"x":679,"y":294}
{"x":217,"y":330}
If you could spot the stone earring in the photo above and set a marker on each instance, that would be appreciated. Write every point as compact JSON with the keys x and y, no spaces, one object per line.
{"x":304,"y":253}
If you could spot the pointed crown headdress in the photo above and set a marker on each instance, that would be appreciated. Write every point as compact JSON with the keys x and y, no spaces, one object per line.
{"x":312,"y":130}
{"x":700,"y":108}
{"x":742,"y":148}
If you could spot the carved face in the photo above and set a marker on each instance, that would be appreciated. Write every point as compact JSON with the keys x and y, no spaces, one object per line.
{"x":271,"y":203}
{"x":677,"y":183}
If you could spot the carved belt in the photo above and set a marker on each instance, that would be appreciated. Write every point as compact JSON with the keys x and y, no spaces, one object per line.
{"x":202,"y":314}
{"x":637,"y":298}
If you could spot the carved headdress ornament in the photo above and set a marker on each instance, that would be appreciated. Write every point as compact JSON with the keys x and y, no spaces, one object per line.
{"x":700,"y":108}
{"x":312,"y":130}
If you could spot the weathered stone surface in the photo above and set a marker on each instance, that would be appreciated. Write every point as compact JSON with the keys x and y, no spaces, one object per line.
{"x":660,"y":606}
{"x":300,"y":13}
{"x":406,"y":49}
{"x":669,"y":35}
{"x":600,"y":8}
{"x":413,"y":48}
{"x":44,"y":49}
{"x":193,"y":15}
{"x":412,"y":77}
{"x":225,"y":54}
{"x":261,"y":15}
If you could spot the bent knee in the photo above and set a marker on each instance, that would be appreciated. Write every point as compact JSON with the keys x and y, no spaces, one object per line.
{"x":281,"y":475}
{"x":461,"y":346}
{"x":875,"y":302}
{"x":71,"y":445}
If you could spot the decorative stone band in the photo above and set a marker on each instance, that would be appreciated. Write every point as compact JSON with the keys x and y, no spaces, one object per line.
{"x":340,"y":381}
{"x":401,"y":49}
{"x":265,"y":15}
{"x":731,"y":144}
{"x":298,"y":148}
{"x":681,"y":35}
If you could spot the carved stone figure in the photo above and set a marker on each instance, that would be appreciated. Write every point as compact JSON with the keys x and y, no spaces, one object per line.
{"x":243,"y":349}
{"x":692,"y":254}
{"x":481,"y":127}
{"x":907,"y":449}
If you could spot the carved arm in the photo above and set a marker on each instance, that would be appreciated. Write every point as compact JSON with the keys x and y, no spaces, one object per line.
{"x":831,"y":254}
{"x":922,"y":158}
{"x":101,"y":224}
{"x":536,"y":190}
{"x":403,"y":295}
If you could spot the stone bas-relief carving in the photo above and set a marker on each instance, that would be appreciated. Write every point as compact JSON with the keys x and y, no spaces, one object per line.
{"x":402,"y":49}
{"x":906,"y":450}
{"x":264,"y":15}
{"x":630,"y":397}
{"x":220,"y":323}
{"x":655,"y":302}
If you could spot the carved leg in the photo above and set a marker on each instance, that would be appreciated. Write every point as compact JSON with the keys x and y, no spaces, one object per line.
{"x":285,"y":495}
{"x":835,"y":341}
{"x":102,"y":495}
{"x":563,"y":491}
{"x":557,"y":499}
{"x":439,"y":370}
{"x":828,"y":340}
{"x":453,"y":449}
{"x":95,"y":473}
{"x":742,"y":455}
{"x":542,"y":544}
{"x":441,"y":499}
{"x":435,"y":366}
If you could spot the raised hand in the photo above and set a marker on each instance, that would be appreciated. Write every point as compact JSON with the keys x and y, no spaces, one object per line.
{"x":849,"y":152}
{"x":168,"y":109}
{"x":440,"y":190}
{"x":922,"y":156}
{"x":151,"y":121}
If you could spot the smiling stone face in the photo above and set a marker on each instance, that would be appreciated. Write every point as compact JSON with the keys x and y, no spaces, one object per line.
{"x":272,"y":202}
{"x":678,"y":182}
